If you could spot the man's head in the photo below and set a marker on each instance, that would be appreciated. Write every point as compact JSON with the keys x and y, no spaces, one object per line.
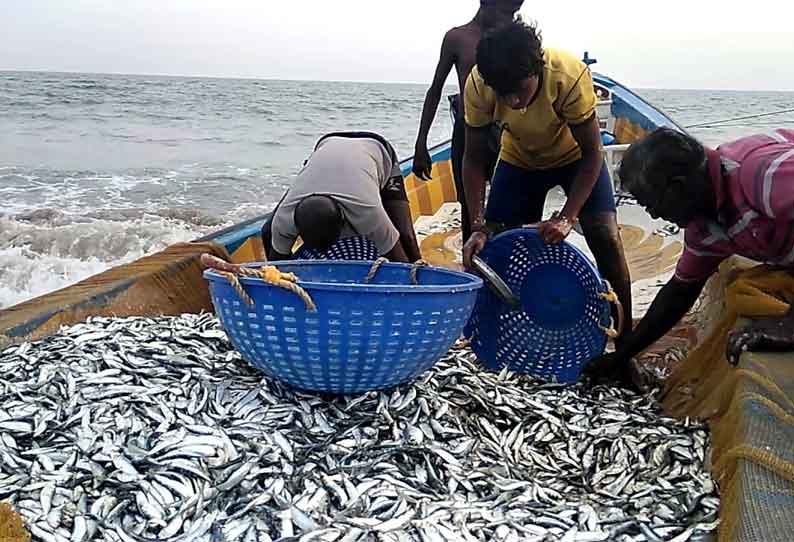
{"x":510,"y":60}
{"x":494,"y":13}
{"x":667,"y":171}
{"x":319,"y":220}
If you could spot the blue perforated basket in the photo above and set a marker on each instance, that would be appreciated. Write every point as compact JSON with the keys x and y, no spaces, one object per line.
{"x":560,"y":321}
{"x":363,"y":336}
{"x":348,"y":248}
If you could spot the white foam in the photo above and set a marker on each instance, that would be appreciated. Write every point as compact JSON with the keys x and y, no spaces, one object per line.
{"x":51,"y":250}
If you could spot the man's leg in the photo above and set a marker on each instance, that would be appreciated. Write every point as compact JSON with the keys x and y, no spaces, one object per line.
{"x":458,"y":149}
{"x":600,"y":227}
{"x":603,"y":237}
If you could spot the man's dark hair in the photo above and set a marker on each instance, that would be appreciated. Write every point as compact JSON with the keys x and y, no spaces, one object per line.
{"x":508,"y":55}
{"x":319,"y":220}
{"x":662,"y":155}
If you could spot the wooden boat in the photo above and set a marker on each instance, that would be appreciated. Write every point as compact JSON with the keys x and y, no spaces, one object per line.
{"x":170,"y":282}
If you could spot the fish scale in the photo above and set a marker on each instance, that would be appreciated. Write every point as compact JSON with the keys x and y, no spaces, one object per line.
{"x":155,"y":428}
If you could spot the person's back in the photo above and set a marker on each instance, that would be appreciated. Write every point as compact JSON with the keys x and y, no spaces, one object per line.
{"x":338,"y":161}
{"x":351,"y":186}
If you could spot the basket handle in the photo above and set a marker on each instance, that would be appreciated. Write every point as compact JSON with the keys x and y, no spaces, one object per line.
{"x":267,"y":273}
{"x":612,"y":297}
{"x":376,"y":265}
{"x":415,"y":270}
{"x":500,"y":288}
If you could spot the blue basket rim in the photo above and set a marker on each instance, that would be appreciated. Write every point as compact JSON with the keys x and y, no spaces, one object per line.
{"x":533,"y":232}
{"x":473,"y":282}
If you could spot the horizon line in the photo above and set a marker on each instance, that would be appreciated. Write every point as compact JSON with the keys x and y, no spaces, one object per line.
{"x":308,"y":80}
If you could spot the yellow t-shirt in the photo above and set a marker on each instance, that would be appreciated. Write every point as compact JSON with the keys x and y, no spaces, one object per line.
{"x":539,"y":137}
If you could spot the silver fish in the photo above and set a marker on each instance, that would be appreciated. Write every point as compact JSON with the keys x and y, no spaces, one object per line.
{"x":157,"y":429}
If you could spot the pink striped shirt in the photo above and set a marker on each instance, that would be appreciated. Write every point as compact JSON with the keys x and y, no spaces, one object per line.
{"x":754,"y":181}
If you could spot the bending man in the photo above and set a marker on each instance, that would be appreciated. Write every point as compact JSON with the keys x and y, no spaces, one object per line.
{"x":350,"y":186}
{"x":546,"y":102}
{"x":735,"y":199}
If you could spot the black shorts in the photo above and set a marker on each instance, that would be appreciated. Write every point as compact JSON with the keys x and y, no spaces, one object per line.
{"x":518,"y":195}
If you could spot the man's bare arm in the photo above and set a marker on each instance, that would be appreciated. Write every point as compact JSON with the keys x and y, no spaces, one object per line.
{"x":400,"y":214}
{"x":422,"y":163}
{"x":588,"y":136}
{"x":668,"y":308}
{"x":475,"y":174}
{"x":397,"y":254}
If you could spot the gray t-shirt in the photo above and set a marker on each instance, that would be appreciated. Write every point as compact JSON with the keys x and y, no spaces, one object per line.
{"x":353,"y":171}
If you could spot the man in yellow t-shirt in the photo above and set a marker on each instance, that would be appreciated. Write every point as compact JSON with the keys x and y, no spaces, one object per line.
{"x":545,"y":102}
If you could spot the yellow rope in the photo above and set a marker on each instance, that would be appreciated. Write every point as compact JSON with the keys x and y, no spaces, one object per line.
{"x":304,"y":295}
{"x":610,"y":331}
{"x":611,"y":297}
{"x":267,"y":273}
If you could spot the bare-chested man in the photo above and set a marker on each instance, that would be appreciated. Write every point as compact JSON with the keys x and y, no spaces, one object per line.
{"x":459,"y":49}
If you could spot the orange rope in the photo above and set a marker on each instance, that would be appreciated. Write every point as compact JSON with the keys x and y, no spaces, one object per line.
{"x":268,"y":273}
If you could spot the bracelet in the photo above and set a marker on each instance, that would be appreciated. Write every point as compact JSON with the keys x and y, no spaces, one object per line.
{"x":559,"y":216}
{"x":482,"y":228}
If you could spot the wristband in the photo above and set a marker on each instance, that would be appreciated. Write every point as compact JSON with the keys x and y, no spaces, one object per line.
{"x":482,"y":228}
{"x":557,"y":215}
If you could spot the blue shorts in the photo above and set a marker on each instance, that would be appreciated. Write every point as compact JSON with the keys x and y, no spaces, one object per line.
{"x":518,"y":195}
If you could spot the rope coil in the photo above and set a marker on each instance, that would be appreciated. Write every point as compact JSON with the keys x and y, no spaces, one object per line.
{"x":268,"y":273}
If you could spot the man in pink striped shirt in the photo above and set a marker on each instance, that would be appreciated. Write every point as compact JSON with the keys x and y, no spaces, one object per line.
{"x":735,"y":199}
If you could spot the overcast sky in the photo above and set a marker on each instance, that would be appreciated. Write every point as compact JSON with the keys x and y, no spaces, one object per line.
{"x":670,"y":44}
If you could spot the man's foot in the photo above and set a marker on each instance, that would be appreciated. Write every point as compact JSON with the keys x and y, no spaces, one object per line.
{"x":772,"y":334}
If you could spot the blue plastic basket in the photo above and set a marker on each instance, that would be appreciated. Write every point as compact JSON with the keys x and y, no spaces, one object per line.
{"x":348,"y":248}
{"x":363,"y":336}
{"x":559,"y":324}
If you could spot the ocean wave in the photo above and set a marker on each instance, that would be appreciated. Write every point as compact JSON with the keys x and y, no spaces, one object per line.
{"x":271,"y":143}
{"x":47,"y":249}
{"x":24,"y":274}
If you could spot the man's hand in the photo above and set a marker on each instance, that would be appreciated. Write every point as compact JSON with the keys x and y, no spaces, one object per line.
{"x":606,"y":366}
{"x":423,"y":164}
{"x":555,"y":230}
{"x":473,"y":246}
{"x":616,"y":368}
{"x":774,"y":334}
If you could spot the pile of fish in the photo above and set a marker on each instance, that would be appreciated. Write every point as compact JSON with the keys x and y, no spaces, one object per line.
{"x":137,"y":430}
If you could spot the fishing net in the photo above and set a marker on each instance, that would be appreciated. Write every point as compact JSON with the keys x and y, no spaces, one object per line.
{"x":12,"y":528}
{"x":750,"y":409}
